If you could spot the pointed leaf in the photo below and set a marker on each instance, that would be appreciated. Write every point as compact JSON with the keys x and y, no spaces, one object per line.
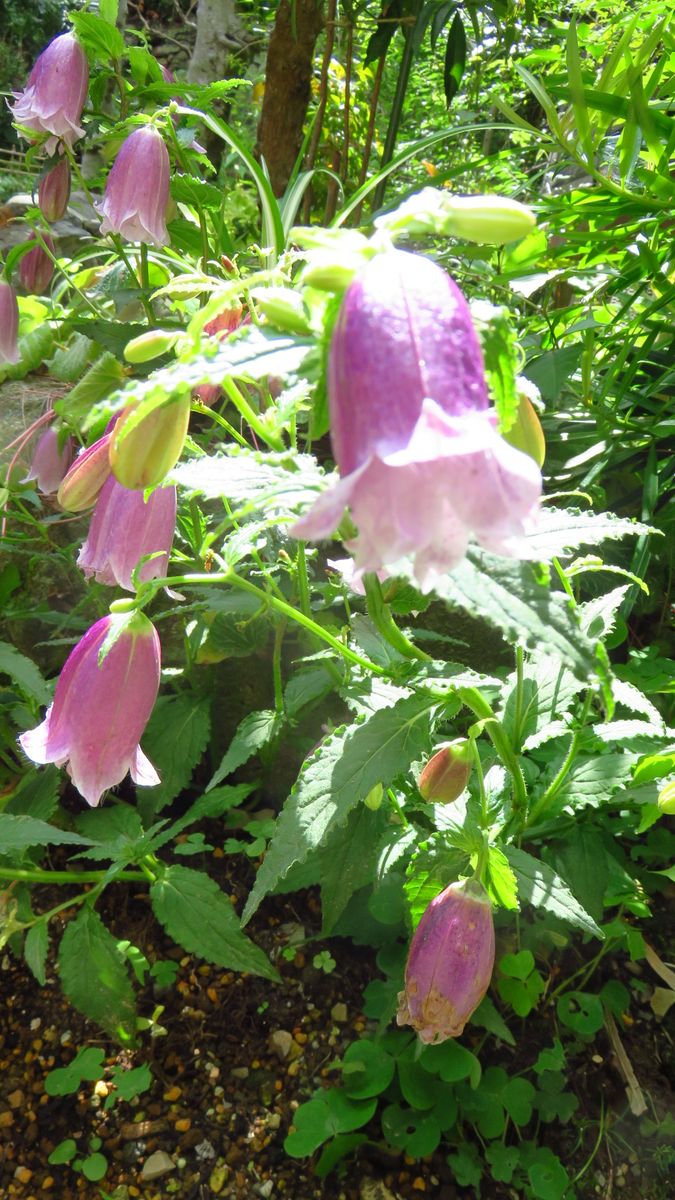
{"x":94,"y":975}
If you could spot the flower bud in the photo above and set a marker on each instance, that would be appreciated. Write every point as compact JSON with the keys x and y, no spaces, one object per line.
{"x":149,"y":345}
{"x":447,"y":773}
{"x":666,"y":798}
{"x":490,"y":220}
{"x":526,"y":433}
{"x":36,"y":269}
{"x":283,"y":307}
{"x":9,"y":324}
{"x":208,"y":394}
{"x":373,"y":800}
{"x":147,"y":445}
{"x":86,"y":477}
{"x":54,"y":96}
{"x":450,"y":963}
{"x":49,"y":464}
{"x":54,"y":191}
{"x":103,"y":700}
{"x":137,"y":189}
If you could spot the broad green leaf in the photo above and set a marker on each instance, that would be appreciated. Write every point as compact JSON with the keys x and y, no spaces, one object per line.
{"x":487,"y":1017}
{"x":348,"y":860}
{"x":24,"y":674}
{"x":539,"y":886}
{"x":254,"y":732}
{"x":19,"y":832}
{"x":273,"y":484}
{"x":101,"y":379}
{"x":103,"y":40}
{"x":336,"y":777}
{"x":593,"y":780}
{"x":508,"y":595}
{"x":367,"y":1070}
{"x":561,"y":529}
{"x":94,"y":975}
{"x":501,"y":882}
{"x":35,"y":950}
{"x":37,"y":795}
{"x":174,"y":741}
{"x":582,"y":860}
{"x":198,"y":916}
{"x":551,"y":370}
{"x":547,"y":692}
{"x":455,"y":59}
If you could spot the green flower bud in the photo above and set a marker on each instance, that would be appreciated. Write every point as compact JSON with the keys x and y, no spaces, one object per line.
{"x":283,"y":308}
{"x":666,"y":798}
{"x":149,"y":345}
{"x":146,"y":445}
{"x":447,"y":772}
{"x":373,"y":800}
{"x":526,"y":433}
{"x":492,"y":220}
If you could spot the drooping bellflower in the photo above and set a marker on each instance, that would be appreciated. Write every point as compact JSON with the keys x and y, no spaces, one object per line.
{"x":450,"y":963}
{"x":104,"y":697}
{"x":49,"y":463}
{"x":422,"y":467}
{"x":137,"y":189}
{"x":9,"y":324}
{"x":54,"y":96}
{"x":124,"y":528}
{"x":54,"y":191}
{"x":36,"y":269}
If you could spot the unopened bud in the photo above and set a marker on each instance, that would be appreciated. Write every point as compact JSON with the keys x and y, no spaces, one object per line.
{"x":373,"y":800}
{"x":666,"y":798}
{"x":36,"y":269}
{"x":83,"y":482}
{"x":148,"y":441}
{"x":54,"y":191}
{"x":446,"y":774}
{"x":492,"y":220}
{"x":283,"y":307}
{"x":149,"y":345}
{"x":526,"y":433}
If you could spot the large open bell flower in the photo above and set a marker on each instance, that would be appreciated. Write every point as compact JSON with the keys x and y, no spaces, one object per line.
{"x":422,"y":467}
{"x":137,"y":189}
{"x":103,"y":700}
{"x":54,"y":96}
{"x":450,"y":963}
{"x":124,"y":528}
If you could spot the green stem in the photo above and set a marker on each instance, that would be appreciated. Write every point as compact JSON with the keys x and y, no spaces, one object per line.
{"x":36,"y":875}
{"x":519,"y":697}
{"x":71,"y":282}
{"x":380,"y":614}
{"x":250,"y":416}
{"x":393,"y":800}
{"x":197,"y":407}
{"x":274,"y":602}
{"x":303,"y":581}
{"x":564,"y":580}
{"x":276,"y":666}
{"x":556,"y":784}
{"x":145,"y":281}
{"x":117,"y":242}
{"x":479,"y":705}
{"x":484,"y":817}
{"x":52,"y":912}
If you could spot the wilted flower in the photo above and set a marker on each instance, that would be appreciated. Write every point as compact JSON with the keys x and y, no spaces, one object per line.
{"x":9,"y":324}
{"x":446,"y":774}
{"x":49,"y":464}
{"x":137,"y":189}
{"x":103,"y":700}
{"x":124,"y":528}
{"x":449,"y":963}
{"x":54,"y":96}
{"x":86,"y":477}
{"x":54,"y":191}
{"x":36,"y":269}
{"x":422,"y":465}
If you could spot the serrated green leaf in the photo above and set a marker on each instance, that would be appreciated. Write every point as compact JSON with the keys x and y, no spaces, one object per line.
{"x":100,"y":380}
{"x":547,"y":692}
{"x":35,"y":950}
{"x":348,"y":861}
{"x":24,"y":674}
{"x":539,"y":886}
{"x":508,"y":595}
{"x":94,"y":976}
{"x":103,"y":40}
{"x":198,"y":916}
{"x":582,"y":860}
{"x":561,"y":529}
{"x":37,"y":794}
{"x":19,"y":832}
{"x":335,"y":778}
{"x":273,"y":484}
{"x":593,"y":780}
{"x":501,"y":882}
{"x":254,"y":732}
{"x":174,"y":741}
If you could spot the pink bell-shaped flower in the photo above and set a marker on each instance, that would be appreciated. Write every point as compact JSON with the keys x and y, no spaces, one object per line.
{"x":450,"y":963}
{"x":9,"y":324}
{"x":49,"y":464}
{"x":421,"y":463}
{"x":54,"y":191}
{"x":36,"y":269}
{"x":54,"y":96}
{"x":104,"y":697}
{"x":82,"y":483}
{"x":137,"y":189}
{"x":124,"y":528}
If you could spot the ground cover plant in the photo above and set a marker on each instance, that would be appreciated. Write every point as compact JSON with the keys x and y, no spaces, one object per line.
{"x":336,"y":575}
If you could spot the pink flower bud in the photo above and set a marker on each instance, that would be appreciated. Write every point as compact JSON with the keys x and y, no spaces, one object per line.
{"x":54,"y":191}
{"x":54,"y":96}
{"x":36,"y":269}
{"x":124,"y":528}
{"x":208,"y":394}
{"x":137,"y":189}
{"x":50,"y":464}
{"x":9,"y":324}
{"x":103,"y":700}
{"x":86,"y":477}
{"x":450,"y":963}
{"x":422,"y":465}
{"x":447,"y":772}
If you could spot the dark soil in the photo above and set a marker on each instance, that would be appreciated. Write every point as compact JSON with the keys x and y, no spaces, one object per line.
{"x":240,"y":1054}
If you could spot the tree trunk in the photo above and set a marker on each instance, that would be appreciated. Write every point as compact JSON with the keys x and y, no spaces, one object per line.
{"x":220,"y":34}
{"x":288,"y":75}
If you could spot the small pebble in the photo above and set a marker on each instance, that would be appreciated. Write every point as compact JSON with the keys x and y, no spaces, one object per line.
{"x":23,"y":1175}
{"x":339,"y":1013}
{"x":173,"y":1094}
{"x":157,"y":1164}
{"x":16,"y":1098}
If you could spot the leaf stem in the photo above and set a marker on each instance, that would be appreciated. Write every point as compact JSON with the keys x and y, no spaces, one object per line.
{"x":556,"y":783}
{"x":37,"y":875}
{"x":479,"y":705}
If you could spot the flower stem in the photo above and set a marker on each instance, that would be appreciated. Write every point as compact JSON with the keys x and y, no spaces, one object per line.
{"x":479,"y":705}
{"x":380,"y":614}
{"x":36,"y":875}
{"x":556,"y":783}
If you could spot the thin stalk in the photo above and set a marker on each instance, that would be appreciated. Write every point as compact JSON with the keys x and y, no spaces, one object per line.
{"x":397,"y":105}
{"x":117,"y":242}
{"x":276,"y":666}
{"x":145,"y":281}
{"x":250,"y":416}
{"x":274,"y":602}
{"x":484,"y":815}
{"x":36,"y":875}
{"x":380,"y":614}
{"x":198,"y":407}
{"x":519,"y":697}
{"x":71,"y":282}
{"x":479,"y":705}
{"x":303,"y":581}
{"x":556,"y":783}
{"x":370,"y":133}
{"x":393,"y":800}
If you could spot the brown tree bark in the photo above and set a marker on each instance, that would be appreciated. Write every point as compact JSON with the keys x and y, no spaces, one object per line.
{"x":288,"y":75}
